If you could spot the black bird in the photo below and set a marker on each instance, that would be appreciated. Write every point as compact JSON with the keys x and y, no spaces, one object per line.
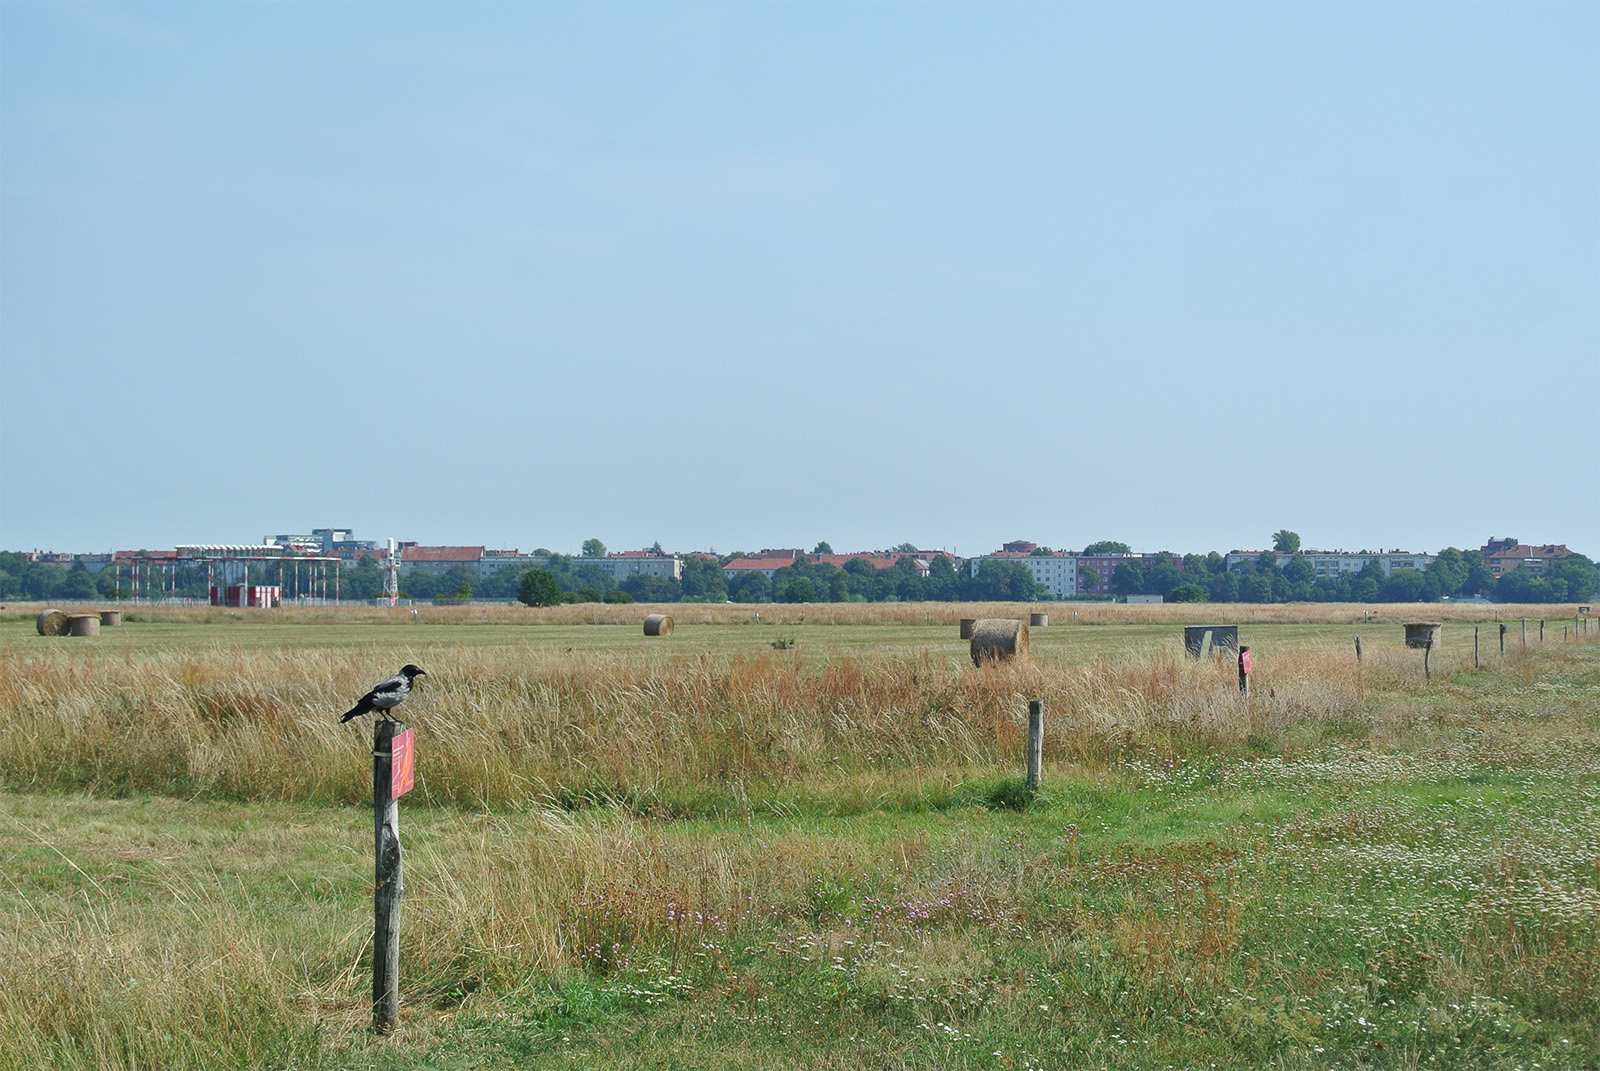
{"x":386,"y":696}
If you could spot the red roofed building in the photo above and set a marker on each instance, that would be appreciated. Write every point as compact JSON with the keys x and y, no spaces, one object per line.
{"x":417,"y":559}
{"x":1502,"y":556}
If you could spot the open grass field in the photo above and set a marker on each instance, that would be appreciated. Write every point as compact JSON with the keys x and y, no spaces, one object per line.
{"x":803,"y":842}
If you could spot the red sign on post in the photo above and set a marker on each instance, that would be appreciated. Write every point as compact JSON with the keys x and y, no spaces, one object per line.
{"x":1244,"y":666}
{"x":402,"y":764}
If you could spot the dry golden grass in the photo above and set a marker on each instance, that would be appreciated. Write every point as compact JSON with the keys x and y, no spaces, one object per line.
{"x":503,"y":726}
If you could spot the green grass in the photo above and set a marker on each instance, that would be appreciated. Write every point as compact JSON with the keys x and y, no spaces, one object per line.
{"x":1408,"y":880}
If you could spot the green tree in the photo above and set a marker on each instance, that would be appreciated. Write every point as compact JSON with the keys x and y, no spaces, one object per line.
{"x":1041,"y":552}
{"x":1106,"y":546}
{"x":1088,"y":578}
{"x":1163,"y":577}
{"x":704,"y":580}
{"x":652,"y":588}
{"x":904,"y":548}
{"x":1285,"y":541}
{"x":458,"y":580}
{"x":365,"y":580}
{"x":619,"y":596}
{"x":1299,"y":570}
{"x":1000,"y":580}
{"x":753,"y":586}
{"x":593,"y":548}
{"x":822,"y":547}
{"x":1128,"y":578}
{"x":1447,"y":573}
{"x":943,"y":585}
{"x":1401,"y":585}
{"x":78,"y":584}
{"x":538,"y":587}
{"x":1580,"y":575}
{"x":1187,"y":593}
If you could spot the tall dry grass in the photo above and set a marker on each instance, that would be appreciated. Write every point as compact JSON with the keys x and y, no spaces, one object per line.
{"x":500,"y":727}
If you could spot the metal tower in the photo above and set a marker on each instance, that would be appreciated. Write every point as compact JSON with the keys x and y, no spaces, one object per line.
{"x":391,"y":575}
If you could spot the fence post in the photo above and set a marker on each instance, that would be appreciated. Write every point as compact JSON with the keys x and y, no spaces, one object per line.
{"x":1502,"y":639}
{"x":1474,"y":648}
{"x":1541,"y":630}
{"x":388,"y":885}
{"x":1035,"y":743}
{"x":1358,"y":650}
{"x":1427,"y":673}
{"x":1244,"y":671}
{"x":1524,"y":633}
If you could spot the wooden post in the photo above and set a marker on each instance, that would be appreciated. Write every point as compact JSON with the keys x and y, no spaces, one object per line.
{"x":1502,"y":639}
{"x":1427,"y":673}
{"x":1358,"y":650}
{"x":1541,"y":630}
{"x":1474,"y":648}
{"x":1524,"y":633}
{"x":388,"y":885}
{"x":1035,"y":743}
{"x":1244,"y":671}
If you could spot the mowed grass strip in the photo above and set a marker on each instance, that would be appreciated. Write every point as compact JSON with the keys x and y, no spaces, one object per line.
{"x":1372,"y":871}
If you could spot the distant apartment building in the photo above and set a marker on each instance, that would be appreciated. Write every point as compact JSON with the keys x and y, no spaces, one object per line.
{"x":1105,"y":568}
{"x":623,"y":564}
{"x":768,"y":562}
{"x":415,"y":558}
{"x":1503,"y":555}
{"x":1338,"y":563}
{"x":483,"y":562}
{"x":1057,"y":572}
{"x":327,"y":542}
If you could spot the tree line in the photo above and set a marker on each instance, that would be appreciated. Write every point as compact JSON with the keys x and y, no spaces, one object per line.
{"x":1190,"y":578}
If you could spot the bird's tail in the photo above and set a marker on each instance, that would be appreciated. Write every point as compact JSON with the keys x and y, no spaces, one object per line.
{"x":353,"y":712}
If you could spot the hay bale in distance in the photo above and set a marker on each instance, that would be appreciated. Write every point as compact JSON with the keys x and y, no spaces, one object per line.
{"x":966,"y":627}
{"x":1038,"y":620}
{"x":110,"y":618}
{"x":1424,"y":634}
{"x":658,"y":625}
{"x":83,"y":625}
{"x":999,"y":639}
{"x":51,"y":623}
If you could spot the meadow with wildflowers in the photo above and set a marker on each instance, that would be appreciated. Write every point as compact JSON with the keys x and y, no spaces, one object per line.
{"x":723,"y":854}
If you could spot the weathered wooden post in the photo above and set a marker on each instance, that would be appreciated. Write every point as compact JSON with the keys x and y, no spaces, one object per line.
{"x":1244,"y":671}
{"x":1358,"y":650}
{"x":1541,"y":630}
{"x":1035,"y":743}
{"x":1474,"y":648}
{"x":1502,"y":639}
{"x":392,"y":767}
{"x":1524,"y":633}
{"x":1427,"y":672}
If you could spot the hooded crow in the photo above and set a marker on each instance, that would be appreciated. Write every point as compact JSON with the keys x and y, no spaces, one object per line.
{"x":386,"y":696}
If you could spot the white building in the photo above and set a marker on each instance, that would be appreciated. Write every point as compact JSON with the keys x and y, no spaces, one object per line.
{"x":1057,"y":572}
{"x":636,"y":563}
{"x":1337,"y":563}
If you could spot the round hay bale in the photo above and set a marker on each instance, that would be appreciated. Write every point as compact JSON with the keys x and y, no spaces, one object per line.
{"x":966,"y":627}
{"x":84,"y":625}
{"x":658,"y":625}
{"x":1038,"y":620}
{"x":999,"y":639}
{"x":110,"y":618}
{"x":1424,"y":634}
{"x":52,"y":623}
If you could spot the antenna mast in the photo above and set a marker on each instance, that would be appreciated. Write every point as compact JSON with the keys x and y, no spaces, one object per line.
{"x":391,"y":575}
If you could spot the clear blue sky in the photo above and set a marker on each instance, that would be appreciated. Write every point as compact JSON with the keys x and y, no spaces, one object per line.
{"x":758,"y":275}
